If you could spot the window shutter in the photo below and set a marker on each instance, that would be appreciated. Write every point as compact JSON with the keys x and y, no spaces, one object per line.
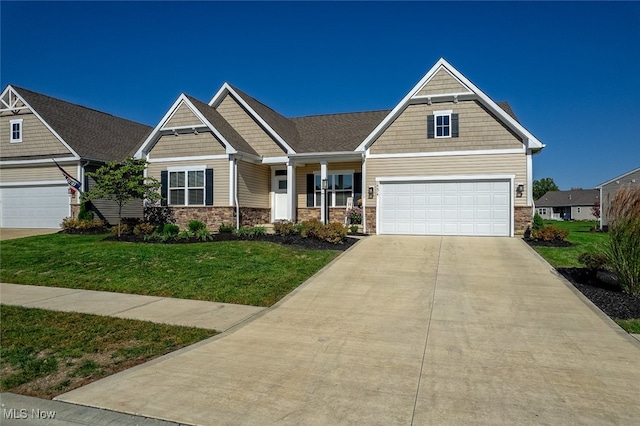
{"x":357,"y":188}
{"x":430,"y":127}
{"x":164,"y":185}
{"x":208,"y":182}
{"x":310,"y":190}
{"x":454,"y":125}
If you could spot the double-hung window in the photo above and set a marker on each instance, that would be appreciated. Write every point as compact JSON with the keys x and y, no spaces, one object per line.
{"x":339,"y":188}
{"x":187,"y":188}
{"x":16,"y":130}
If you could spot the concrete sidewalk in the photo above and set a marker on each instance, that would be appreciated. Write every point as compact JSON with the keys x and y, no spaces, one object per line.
{"x":13,"y":233}
{"x":402,"y":330}
{"x":192,"y":313}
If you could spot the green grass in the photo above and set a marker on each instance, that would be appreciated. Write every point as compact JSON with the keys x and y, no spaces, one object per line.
{"x":46,"y":353}
{"x":630,"y":325}
{"x":245,"y":272}
{"x":580,"y":236}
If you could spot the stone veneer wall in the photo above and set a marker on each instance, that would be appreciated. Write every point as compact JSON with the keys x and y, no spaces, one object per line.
{"x":336,"y":214}
{"x":75,"y":209}
{"x":213,"y":217}
{"x":252,"y":216}
{"x":370,"y":213}
{"x":523,"y":217}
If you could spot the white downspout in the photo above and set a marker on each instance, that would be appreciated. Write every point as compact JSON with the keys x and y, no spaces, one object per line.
{"x":364,"y":192}
{"x":235,"y":191}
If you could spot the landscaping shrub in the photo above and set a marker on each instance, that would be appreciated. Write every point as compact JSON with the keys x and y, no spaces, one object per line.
{"x":259,"y":230}
{"x":244,"y":231}
{"x":170,"y":229}
{"x":538,"y":223}
{"x":125,"y":229}
{"x":593,"y":261}
{"x":355,"y":215}
{"x":550,"y":233}
{"x":312,"y":228}
{"x":334,"y":233}
{"x":284,"y":228}
{"x":159,"y":215}
{"x":195,"y":225}
{"x":226,"y":229}
{"x":353,"y":229}
{"x":185,"y":234}
{"x":144,"y":228}
{"x":203,"y":234}
{"x":78,"y":226}
{"x":84,"y":213}
{"x":623,"y":246}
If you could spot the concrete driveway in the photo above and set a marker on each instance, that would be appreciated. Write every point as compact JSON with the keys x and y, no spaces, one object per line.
{"x":402,"y":330}
{"x":13,"y":233}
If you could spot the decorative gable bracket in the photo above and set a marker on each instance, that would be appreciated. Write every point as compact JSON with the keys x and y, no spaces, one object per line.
{"x":11,"y":101}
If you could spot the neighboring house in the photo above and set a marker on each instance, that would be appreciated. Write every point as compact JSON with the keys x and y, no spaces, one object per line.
{"x":576,"y":204}
{"x":447,"y":160}
{"x":608,"y":191}
{"x":35,"y":130}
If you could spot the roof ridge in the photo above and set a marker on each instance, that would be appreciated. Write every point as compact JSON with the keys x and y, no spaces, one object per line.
{"x":340,"y":113}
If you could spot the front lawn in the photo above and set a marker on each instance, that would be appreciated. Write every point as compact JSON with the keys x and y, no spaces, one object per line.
{"x":46,"y":353}
{"x":580,"y":236}
{"x":244,"y":272}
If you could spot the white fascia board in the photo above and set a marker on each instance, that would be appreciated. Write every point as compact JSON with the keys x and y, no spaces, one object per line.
{"x":39,"y":161}
{"x":245,"y":156}
{"x":338,"y":156}
{"x":34,"y":112}
{"x":383,"y":179}
{"x":275,"y":160}
{"x":193,"y":158}
{"x":449,"y":153}
{"x":34,"y":183}
{"x":226,"y":88}
{"x":155,"y":134}
{"x":531,"y":141}
{"x":618,"y":177}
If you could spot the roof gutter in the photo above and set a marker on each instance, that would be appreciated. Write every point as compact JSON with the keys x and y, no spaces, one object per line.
{"x":340,"y":156}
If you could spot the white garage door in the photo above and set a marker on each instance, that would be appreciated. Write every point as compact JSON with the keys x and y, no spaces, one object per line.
{"x":34,"y":206}
{"x":445,"y":208}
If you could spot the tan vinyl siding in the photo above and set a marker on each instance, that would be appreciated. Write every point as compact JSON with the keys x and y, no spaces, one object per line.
{"x":107,"y":210}
{"x":187,"y":145}
{"x":183,"y":117}
{"x":302,"y":172}
{"x":479,"y":130}
{"x":255,"y":135}
{"x":608,"y":192}
{"x":37,"y":139}
{"x":220,"y":176}
{"x":36,"y":172}
{"x":254,"y":184}
{"x":496,"y":164}
{"x":441,"y":83}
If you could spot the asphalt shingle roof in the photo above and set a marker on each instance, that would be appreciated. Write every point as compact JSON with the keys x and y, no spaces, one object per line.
{"x":574,"y":197}
{"x":93,"y":134}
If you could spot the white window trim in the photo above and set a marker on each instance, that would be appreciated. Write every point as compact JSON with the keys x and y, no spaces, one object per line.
{"x":331,"y":193}
{"x":437,"y":114}
{"x":542,"y":210}
{"x":11,"y":123}
{"x":186,"y":188}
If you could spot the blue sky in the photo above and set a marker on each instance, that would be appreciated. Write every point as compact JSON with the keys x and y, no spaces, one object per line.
{"x":569,"y":70}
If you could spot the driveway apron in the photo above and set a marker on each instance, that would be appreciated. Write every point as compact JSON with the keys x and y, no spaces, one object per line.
{"x":401,"y":330}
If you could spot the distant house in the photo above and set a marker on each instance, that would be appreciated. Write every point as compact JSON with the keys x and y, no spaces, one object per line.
{"x":575,"y":204}
{"x":609,"y":188}
{"x":38,"y":131}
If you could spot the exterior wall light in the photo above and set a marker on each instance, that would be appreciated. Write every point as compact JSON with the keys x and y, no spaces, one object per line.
{"x":370,"y":192}
{"x":325,"y":184}
{"x":520,"y":190}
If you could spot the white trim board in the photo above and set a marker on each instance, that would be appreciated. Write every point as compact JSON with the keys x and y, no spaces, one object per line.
{"x":448,"y":153}
{"x":34,"y":183}
{"x":194,"y":158}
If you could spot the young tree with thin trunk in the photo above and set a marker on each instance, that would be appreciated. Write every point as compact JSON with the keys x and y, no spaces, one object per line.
{"x":123,"y":182}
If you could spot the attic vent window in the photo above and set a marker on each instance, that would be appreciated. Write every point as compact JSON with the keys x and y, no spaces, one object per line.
{"x":442,"y":124}
{"x":16,"y":130}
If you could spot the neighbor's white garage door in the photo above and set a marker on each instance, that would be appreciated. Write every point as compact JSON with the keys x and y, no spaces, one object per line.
{"x":445,"y":208}
{"x":34,"y":206}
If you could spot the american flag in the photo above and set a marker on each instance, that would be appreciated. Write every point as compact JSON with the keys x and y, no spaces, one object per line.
{"x":73,"y":182}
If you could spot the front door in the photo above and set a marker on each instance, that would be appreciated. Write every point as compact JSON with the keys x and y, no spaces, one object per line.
{"x":280,"y":205}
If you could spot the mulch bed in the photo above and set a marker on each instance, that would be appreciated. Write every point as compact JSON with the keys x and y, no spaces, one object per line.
{"x":610,"y":299}
{"x":287,"y":240}
{"x":552,"y":243}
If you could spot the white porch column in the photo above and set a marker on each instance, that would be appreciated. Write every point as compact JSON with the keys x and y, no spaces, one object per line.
{"x":291,"y":191}
{"x":323,"y":193}
{"x":232,"y":178}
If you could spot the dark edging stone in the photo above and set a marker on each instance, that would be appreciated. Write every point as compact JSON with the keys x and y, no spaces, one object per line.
{"x":610,"y":299}
{"x":552,"y":243}
{"x":286,"y":240}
